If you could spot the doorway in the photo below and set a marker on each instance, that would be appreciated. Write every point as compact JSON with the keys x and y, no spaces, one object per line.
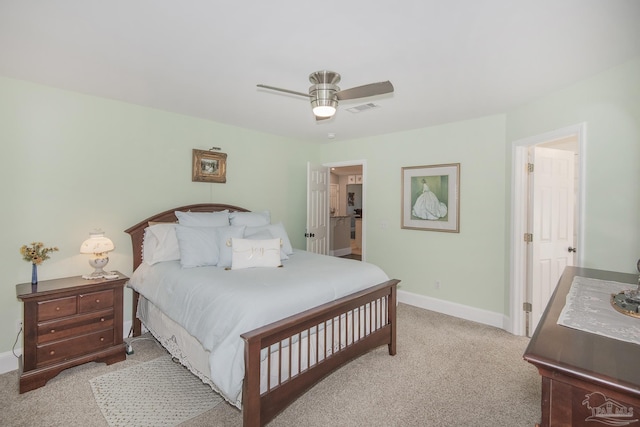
{"x":346,"y":210}
{"x":524,"y":285}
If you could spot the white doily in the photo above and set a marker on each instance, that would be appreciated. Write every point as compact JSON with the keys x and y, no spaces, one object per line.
{"x":588,"y":308}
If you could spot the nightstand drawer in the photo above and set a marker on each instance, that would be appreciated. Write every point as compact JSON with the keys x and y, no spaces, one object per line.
{"x":95,"y":301}
{"x":74,"y":326}
{"x":66,"y":349}
{"x":56,"y":308}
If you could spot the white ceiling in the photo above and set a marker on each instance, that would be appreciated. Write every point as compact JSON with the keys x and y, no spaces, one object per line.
{"x":449,"y":60}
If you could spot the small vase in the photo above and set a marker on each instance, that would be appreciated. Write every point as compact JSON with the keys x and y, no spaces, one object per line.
{"x":34,"y":274}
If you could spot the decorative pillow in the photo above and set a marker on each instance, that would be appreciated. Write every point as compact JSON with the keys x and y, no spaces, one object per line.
{"x":203,"y":219}
{"x":276,"y":230}
{"x":223,"y":240}
{"x":249,"y":253}
{"x":198,"y":246}
{"x":263,"y":233}
{"x":160,"y":243}
{"x":250,"y":219}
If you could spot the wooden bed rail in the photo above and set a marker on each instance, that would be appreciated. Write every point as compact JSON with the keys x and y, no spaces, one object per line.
{"x":376,"y":305}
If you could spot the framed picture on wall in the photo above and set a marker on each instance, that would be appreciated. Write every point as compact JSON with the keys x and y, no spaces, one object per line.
{"x":209,"y":166}
{"x":431,"y":198}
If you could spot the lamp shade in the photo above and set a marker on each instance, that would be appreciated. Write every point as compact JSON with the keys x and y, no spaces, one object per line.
{"x":96,"y":243}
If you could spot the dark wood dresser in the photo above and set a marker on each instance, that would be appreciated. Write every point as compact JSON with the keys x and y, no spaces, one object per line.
{"x":68,"y":322}
{"x":587,"y":379}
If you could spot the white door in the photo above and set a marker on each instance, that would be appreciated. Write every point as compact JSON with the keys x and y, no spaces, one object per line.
{"x":317,"y":209}
{"x":552,"y":218}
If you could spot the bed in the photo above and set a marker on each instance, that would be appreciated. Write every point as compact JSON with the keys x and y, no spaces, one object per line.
{"x":281,"y":330}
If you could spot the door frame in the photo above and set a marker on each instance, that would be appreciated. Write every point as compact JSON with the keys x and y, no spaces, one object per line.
{"x":362,"y":163}
{"x":519,"y":210}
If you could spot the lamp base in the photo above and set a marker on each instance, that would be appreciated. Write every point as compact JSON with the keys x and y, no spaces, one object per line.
{"x":99,"y":261}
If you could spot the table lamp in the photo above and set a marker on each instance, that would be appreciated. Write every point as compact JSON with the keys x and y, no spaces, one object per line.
{"x":98,"y":246}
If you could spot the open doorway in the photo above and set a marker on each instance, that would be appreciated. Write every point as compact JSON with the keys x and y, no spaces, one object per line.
{"x":346,"y":210}
{"x":528,"y":289}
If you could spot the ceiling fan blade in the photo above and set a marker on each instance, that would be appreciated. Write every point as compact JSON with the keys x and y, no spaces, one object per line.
{"x":293,"y":92}
{"x":365,"y":90}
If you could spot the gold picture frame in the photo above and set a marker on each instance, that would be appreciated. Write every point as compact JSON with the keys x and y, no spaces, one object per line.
{"x":431,"y":198}
{"x":209,"y":166}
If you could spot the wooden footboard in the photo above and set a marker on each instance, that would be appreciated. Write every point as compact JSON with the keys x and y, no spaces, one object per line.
{"x":372,"y":316}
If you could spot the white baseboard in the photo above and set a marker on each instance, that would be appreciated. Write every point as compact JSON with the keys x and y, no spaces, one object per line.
{"x":9,"y":362}
{"x":466,"y":312}
{"x":340,"y":252}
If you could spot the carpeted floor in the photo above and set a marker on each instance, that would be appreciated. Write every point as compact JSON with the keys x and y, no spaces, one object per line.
{"x":448,"y":372}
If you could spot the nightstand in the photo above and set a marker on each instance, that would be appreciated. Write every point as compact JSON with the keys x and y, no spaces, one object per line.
{"x":68,"y":322}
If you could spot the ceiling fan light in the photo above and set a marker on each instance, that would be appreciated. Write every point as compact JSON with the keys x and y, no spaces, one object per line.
{"x":324,"y":101}
{"x":324,"y":111}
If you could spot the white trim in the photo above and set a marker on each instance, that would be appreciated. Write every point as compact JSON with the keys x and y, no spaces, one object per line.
{"x":8,"y":362}
{"x":466,"y":312}
{"x":519,"y":184}
{"x":340,"y":252}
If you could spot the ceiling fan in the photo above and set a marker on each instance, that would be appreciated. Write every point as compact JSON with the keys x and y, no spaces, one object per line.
{"x":324,"y":93}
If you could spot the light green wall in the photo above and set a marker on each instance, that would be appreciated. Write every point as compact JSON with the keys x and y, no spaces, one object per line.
{"x":469,"y":265}
{"x":71,"y":163}
{"x":609,"y":104}
{"x":50,"y":166}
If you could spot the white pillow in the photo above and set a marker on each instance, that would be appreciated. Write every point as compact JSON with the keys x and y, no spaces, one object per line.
{"x":249,"y":253}
{"x":203,"y":219}
{"x":198,"y":246}
{"x":223,"y":240}
{"x":250,"y":219}
{"x":160,"y":244}
{"x":276,"y":230}
{"x":265,"y":234}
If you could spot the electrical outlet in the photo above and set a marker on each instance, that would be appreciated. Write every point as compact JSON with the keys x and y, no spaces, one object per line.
{"x":437,"y":284}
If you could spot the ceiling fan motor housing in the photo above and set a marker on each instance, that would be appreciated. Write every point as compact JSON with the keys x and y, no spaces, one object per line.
{"x":324,"y":101}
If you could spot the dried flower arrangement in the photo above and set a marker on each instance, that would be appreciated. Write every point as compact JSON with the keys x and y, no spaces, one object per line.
{"x":36,"y":253}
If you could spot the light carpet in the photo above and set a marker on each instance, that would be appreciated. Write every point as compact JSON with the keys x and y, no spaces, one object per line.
{"x":158,"y":393}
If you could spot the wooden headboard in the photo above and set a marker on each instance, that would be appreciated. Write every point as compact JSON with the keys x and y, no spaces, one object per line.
{"x":137,"y":231}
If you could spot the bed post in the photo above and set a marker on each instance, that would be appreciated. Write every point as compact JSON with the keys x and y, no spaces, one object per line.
{"x":393,"y":305}
{"x":136,"y":324}
{"x":251,"y":409}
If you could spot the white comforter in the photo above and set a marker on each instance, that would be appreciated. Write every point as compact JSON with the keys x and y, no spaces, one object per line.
{"x":216,"y":306}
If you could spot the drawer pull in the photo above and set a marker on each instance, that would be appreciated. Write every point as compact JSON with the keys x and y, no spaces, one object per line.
{"x":102,"y":319}
{"x":53,"y":331}
{"x":97,"y":301}
{"x":57,"y":308}
{"x":51,"y":353}
{"x":101,"y":339}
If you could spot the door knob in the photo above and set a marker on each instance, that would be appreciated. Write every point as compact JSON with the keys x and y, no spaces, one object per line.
{"x":572,"y":249}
